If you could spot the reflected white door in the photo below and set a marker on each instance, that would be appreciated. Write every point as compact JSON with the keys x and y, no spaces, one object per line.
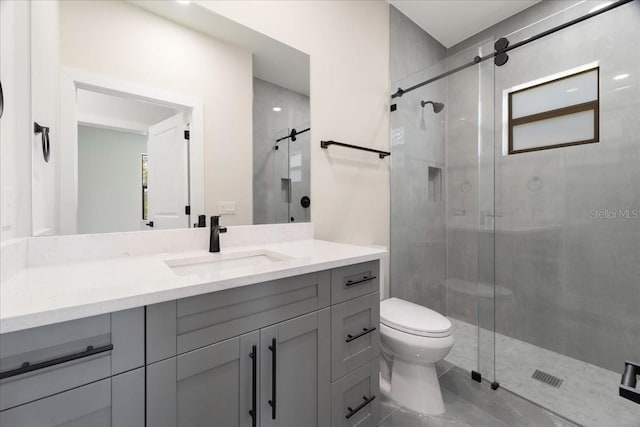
{"x":167,"y":169}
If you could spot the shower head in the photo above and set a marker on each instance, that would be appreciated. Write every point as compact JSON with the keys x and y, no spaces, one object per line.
{"x":437,"y":106}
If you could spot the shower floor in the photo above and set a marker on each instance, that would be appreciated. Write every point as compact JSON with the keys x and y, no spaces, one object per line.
{"x":588,"y":394}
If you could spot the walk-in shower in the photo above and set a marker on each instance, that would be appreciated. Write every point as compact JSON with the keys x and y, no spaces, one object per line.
{"x":532,"y":248}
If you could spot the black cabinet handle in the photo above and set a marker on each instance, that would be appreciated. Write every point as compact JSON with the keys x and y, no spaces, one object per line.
{"x":272,"y":402}
{"x":367,"y":400}
{"x":254,"y":386}
{"x":364,"y":332}
{"x":364,"y":279}
{"x":28,"y":367}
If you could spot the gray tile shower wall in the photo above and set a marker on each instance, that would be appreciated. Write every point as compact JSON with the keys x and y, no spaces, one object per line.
{"x":567,"y":262}
{"x":568,"y":247}
{"x":418,"y":234}
{"x":411,"y":48}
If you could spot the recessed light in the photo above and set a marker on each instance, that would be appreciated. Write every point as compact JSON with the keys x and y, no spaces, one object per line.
{"x":277,"y":109}
{"x":184,"y":1}
{"x":600,"y":6}
{"x":621,"y":77}
{"x":573,"y":89}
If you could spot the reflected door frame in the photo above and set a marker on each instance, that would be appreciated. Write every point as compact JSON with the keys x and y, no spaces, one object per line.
{"x":71,"y":81}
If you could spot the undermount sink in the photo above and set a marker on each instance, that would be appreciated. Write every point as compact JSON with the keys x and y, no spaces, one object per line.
{"x":219,"y":262}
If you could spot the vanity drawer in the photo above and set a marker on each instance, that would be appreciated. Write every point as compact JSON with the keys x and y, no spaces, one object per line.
{"x":355,"y":338}
{"x":177,"y":327}
{"x":354,"y":280}
{"x":66,"y":355}
{"x":113,"y":402}
{"x":355,"y":398}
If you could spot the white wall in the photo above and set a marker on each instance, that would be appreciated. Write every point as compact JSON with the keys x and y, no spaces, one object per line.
{"x":129,"y":43}
{"x":45,"y":99}
{"x":15,"y":124}
{"x":109,"y":180}
{"x":348,"y":42}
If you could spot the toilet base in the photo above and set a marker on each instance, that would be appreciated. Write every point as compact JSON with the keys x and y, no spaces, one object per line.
{"x":416,"y":387}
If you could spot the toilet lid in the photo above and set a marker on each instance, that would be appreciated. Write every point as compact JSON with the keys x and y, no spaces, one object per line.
{"x":414,"y":319}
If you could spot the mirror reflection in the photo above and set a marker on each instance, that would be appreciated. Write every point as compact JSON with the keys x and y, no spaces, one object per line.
{"x":161,"y":112}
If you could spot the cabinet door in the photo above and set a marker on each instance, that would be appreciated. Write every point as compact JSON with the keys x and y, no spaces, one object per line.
{"x":113,"y":402}
{"x":295,"y":372}
{"x":354,"y":334}
{"x":354,"y":398}
{"x":211,"y":386}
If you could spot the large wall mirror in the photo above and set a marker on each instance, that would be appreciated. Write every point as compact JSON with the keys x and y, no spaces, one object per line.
{"x":152,"y":113}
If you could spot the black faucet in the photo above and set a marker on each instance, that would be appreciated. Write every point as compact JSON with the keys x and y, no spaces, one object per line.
{"x":216,"y":229}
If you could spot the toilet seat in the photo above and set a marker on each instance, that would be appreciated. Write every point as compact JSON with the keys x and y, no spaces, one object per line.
{"x":413,"y":319}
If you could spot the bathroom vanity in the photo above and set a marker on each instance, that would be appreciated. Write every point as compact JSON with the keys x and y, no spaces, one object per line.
{"x":238,"y":339}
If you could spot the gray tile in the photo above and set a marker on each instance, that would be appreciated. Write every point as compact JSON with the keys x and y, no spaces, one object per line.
{"x":387,"y":407}
{"x":588,"y":394}
{"x":472,"y":404}
{"x":443,"y":366}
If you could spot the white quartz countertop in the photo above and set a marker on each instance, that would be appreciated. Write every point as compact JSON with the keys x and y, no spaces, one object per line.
{"x":44,"y":295}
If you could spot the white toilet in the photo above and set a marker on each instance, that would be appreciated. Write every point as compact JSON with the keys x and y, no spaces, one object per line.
{"x":413,"y":338}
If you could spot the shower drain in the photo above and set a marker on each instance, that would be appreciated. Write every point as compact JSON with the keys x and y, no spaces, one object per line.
{"x":547,"y":378}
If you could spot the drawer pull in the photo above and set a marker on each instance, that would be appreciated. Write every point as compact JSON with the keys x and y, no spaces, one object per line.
{"x":364,"y":332}
{"x":254,"y":385}
{"x":367,"y":400}
{"x":356,"y":282}
{"x":28,"y":367}
{"x":274,"y":366}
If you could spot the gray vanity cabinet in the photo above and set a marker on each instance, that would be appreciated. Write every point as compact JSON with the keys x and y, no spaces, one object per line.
{"x":295,"y":372}
{"x":84,"y":372}
{"x":219,"y":384}
{"x":176,"y":327}
{"x":212,"y":385}
{"x":112,"y":402}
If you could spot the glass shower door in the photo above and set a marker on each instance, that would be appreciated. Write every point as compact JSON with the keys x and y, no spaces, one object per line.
{"x":280,"y":199}
{"x":299,"y":174}
{"x":290,"y":198}
{"x":470,"y":211}
{"x":568,"y":237}
{"x":442,"y":202}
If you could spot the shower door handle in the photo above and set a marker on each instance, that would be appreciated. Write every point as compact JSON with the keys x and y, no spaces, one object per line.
{"x":628,"y":382}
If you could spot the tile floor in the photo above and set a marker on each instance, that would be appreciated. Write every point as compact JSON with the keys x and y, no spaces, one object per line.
{"x":471,"y":404}
{"x":588,"y":394}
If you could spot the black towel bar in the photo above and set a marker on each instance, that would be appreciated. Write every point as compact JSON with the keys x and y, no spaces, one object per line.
{"x":381,"y":154}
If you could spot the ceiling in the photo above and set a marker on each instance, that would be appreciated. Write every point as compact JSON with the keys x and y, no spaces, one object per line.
{"x":453,"y":21}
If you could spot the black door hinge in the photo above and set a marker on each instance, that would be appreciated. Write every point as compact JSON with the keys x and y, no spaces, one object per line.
{"x":394,"y":107}
{"x":187,"y":135}
{"x":187,"y":210}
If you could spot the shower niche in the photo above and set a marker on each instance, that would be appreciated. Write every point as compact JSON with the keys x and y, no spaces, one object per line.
{"x":435,"y":184}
